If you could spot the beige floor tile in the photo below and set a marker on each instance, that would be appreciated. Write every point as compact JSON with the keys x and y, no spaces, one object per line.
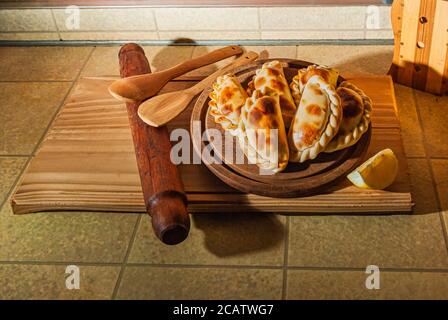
{"x":411,"y":132}
{"x":210,"y":35}
{"x":349,"y":59}
{"x":26,"y":20}
{"x":206,"y":70}
{"x":423,"y":193}
{"x":273,"y":52}
{"x":312,"y":17}
{"x":10,"y":168}
{"x":25,"y":113}
{"x":104,"y":60}
{"x":220,"y":19}
{"x":42,"y":63}
{"x":128,"y":36}
{"x":108,"y":19}
{"x":303,"y":284}
{"x":65,"y":236}
{"x":48,"y":282}
{"x":163,"y":57}
{"x":200,"y":283}
{"x":434,"y":114}
{"x":440,"y":170}
{"x":14,"y":36}
{"x":386,"y":241}
{"x":222,"y":239}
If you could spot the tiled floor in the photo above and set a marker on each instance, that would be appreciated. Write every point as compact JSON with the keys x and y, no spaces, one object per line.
{"x":264,"y":256}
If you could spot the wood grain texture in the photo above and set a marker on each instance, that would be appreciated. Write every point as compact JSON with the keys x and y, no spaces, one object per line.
{"x":87,"y":163}
{"x":421,"y":42}
{"x":162,"y":187}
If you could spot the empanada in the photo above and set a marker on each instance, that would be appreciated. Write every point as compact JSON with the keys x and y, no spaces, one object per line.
{"x":270,"y":79}
{"x":304,"y":75}
{"x":356,"y":110}
{"x":226,"y":101}
{"x":316,"y":122}
{"x":262,"y":134}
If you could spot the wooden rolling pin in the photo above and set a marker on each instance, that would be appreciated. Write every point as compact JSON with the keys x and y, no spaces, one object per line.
{"x":162,"y":186}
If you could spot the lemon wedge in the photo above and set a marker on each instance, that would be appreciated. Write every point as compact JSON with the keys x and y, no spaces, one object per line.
{"x":378,"y":172}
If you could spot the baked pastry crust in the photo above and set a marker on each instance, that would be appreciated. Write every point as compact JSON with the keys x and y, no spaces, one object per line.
{"x":304,"y":75}
{"x":316,"y":122}
{"x":262,"y":146}
{"x":226,"y":101}
{"x":356,"y":110}
{"x":270,"y":79}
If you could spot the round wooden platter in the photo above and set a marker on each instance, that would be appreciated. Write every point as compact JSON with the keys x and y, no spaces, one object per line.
{"x":296,"y":180}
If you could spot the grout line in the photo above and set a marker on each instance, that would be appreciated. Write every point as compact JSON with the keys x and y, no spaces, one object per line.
{"x":126,"y":257}
{"x":55,"y":24}
{"x":229,"y":267}
{"x":20,"y":175}
{"x":58,"y":110}
{"x":285,"y":259}
{"x":153,"y":13}
{"x":15,"y":155}
{"x":431,"y":171}
{"x":16,"y":181}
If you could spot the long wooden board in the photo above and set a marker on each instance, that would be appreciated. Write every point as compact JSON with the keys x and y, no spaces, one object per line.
{"x":87,"y":162}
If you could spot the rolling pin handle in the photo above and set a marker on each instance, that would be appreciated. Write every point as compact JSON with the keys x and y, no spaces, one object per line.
{"x":170,"y":219}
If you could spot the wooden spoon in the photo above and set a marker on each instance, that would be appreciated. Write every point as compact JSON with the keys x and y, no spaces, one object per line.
{"x":161,"y":109}
{"x":141,"y":87}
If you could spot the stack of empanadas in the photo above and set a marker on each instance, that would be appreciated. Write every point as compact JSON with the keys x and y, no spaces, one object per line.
{"x":276,"y":123}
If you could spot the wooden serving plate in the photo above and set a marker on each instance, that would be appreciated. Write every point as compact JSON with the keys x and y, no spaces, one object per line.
{"x":297,"y":180}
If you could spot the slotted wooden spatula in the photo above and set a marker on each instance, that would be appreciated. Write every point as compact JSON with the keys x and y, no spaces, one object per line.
{"x":162,"y":109}
{"x":141,"y":87}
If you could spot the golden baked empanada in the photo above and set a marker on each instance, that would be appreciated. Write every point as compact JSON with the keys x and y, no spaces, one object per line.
{"x":226,"y":101}
{"x":270,"y":79}
{"x":356,"y":111}
{"x":316,"y":122}
{"x":304,"y":75}
{"x":262,"y":134}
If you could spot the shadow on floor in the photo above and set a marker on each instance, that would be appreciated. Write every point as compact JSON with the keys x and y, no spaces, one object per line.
{"x":229,"y":234}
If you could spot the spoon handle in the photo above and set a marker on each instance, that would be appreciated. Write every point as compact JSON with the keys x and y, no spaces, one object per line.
{"x":243,"y":60}
{"x":205,"y":59}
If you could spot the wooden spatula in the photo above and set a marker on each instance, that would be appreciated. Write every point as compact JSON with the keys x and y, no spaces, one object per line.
{"x":141,"y":87}
{"x":161,"y":109}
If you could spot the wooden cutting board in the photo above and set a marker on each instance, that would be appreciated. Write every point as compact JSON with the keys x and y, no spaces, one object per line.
{"x":87,"y":162}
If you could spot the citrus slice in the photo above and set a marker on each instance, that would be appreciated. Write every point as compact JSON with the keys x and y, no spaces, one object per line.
{"x":378,"y":172}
